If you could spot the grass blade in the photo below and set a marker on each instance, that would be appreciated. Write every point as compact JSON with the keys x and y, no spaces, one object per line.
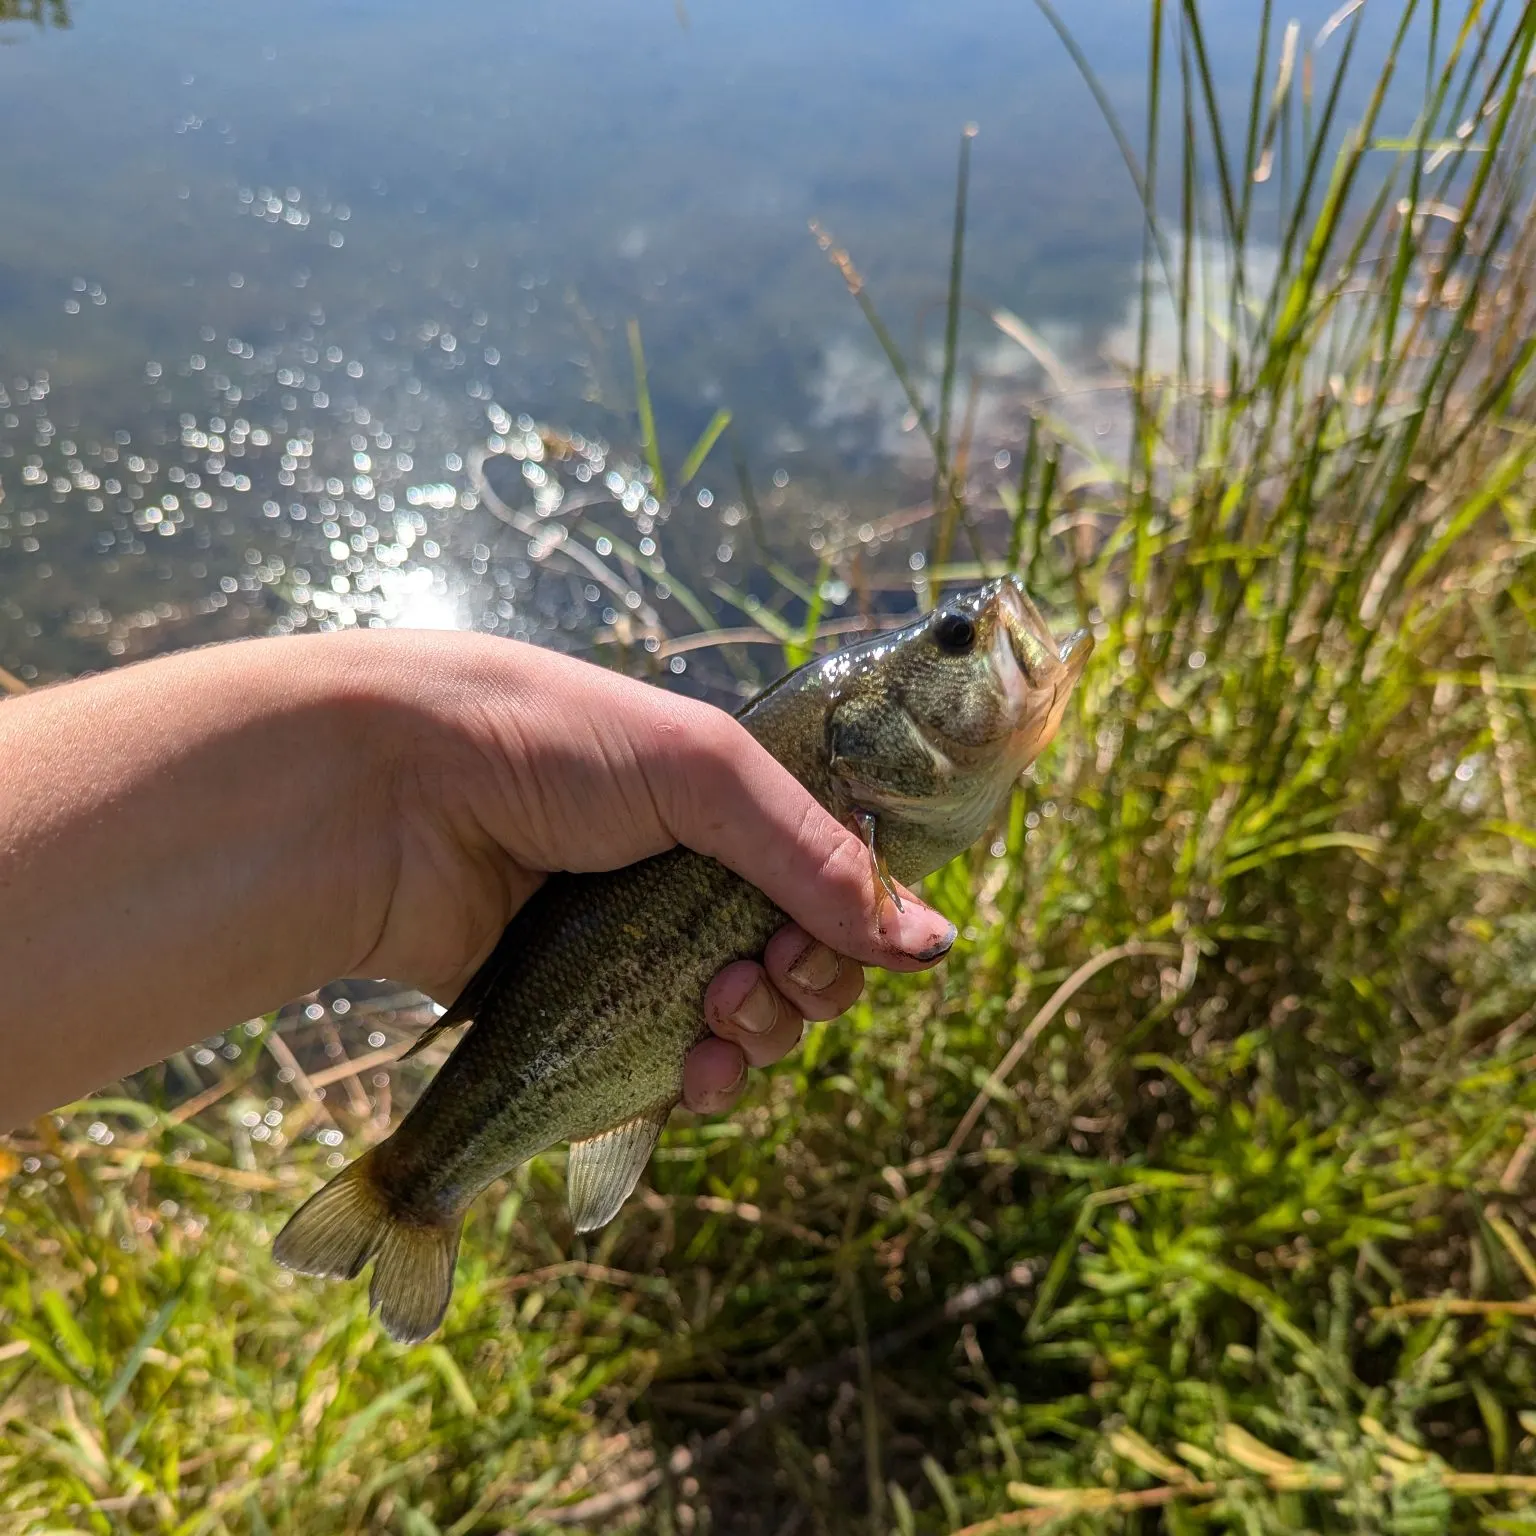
{"x":701,"y":449}
{"x":944,"y":491}
{"x":855,"y":282}
{"x":648,"y":443}
{"x":146,"y":1341}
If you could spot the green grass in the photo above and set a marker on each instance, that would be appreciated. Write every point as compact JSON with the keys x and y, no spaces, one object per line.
{"x":1242,"y":1239}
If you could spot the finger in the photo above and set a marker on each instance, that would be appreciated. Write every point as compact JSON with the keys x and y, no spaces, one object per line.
{"x":714,"y":1073}
{"x":723,"y":795}
{"x":743,"y":1006}
{"x":819,"y":982}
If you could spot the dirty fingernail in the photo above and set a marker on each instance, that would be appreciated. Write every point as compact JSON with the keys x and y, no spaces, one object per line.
{"x":756,"y":1012}
{"x":920,"y":932}
{"x":815,"y":968}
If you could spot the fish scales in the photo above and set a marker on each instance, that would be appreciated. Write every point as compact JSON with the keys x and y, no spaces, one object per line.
{"x":581,"y":1018}
{"x":589,"y":1031}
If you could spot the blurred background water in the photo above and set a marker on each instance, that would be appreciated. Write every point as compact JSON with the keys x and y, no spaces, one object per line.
{"x":271,"y":279}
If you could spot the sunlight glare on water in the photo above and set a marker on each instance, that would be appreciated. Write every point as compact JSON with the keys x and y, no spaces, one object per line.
{"x":254,"y":339}
{"x":410,"y":602}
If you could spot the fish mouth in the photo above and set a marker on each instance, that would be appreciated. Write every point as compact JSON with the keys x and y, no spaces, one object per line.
{"x":1044,"y":662}
{"x":1074,"y":653}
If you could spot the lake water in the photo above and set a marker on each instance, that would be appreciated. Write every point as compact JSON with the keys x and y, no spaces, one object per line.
{"x":272,"y":278}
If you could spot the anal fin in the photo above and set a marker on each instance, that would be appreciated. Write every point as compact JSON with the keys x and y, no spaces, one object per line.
{"x":603,"y":1169}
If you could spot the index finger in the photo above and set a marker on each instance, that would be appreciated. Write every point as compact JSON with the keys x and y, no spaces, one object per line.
{"x":728,"y":797}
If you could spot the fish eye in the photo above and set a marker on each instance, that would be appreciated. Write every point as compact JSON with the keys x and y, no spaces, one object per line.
{"x":955,"y":632}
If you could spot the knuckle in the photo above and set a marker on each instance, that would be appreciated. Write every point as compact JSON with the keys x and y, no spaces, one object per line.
{"x":711,"y":781}
{"x":687,"y":769}
{"x":718,"y":740}
{"x":842,"y":876}
{"x":783,"y":948}
{"x":727,"y":990}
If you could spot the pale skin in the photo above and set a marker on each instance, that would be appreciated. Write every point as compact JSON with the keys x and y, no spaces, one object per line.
{"x":193,"y":841}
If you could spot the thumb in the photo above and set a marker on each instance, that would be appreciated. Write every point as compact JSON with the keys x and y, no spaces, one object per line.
{"x":725,"y":796}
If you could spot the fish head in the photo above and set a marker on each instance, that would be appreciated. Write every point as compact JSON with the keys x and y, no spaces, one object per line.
{"x":937,"y":720}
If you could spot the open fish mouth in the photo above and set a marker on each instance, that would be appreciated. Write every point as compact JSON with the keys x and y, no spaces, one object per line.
{"x":1073,"y":655}
{"x":1042,"y":660}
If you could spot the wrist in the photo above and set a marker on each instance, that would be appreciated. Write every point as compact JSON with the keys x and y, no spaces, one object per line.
{"x":429,"y":793}
{"x":309,"y":752}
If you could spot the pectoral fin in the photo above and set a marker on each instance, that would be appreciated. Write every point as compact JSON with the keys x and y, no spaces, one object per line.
{"x":604,"y":1169}
{"x":869,"y":828}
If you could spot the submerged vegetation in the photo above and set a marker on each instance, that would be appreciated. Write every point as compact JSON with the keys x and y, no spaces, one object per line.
{"x":1194,"y":1193}
{"x":38,"y":12}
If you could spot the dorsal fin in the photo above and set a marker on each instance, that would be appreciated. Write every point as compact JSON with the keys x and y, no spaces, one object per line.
{"x":425,"y":1038}
{"x":603,"y":1169}
{"x":467,"y":1004}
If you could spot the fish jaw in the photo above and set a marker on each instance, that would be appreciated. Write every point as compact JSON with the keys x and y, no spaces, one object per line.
{"x":1039,"y":673}
{"x":1074,"y":653}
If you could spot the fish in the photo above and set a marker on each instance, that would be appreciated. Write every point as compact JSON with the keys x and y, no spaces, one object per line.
{"x":582,"y":1015}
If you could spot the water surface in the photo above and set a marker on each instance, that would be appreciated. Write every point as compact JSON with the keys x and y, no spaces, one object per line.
{"x":270,"y":278}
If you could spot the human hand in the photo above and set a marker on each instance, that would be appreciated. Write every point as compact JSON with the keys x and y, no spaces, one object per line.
{"x":759,"y":1011}
{"x":519,"y":762}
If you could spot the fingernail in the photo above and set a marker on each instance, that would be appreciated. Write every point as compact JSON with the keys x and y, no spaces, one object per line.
{"x":815,"y":968}
{"x":757,"y":1011}
{"x":919,"y":931}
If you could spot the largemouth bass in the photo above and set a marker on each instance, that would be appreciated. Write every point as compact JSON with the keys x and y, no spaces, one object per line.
{"x":582,"y":1015}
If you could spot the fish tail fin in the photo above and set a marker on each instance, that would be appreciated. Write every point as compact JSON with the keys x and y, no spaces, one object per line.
{"x":413,"y":1277}
{"x":349,"y":1221}
{"x":339,"y":1228}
